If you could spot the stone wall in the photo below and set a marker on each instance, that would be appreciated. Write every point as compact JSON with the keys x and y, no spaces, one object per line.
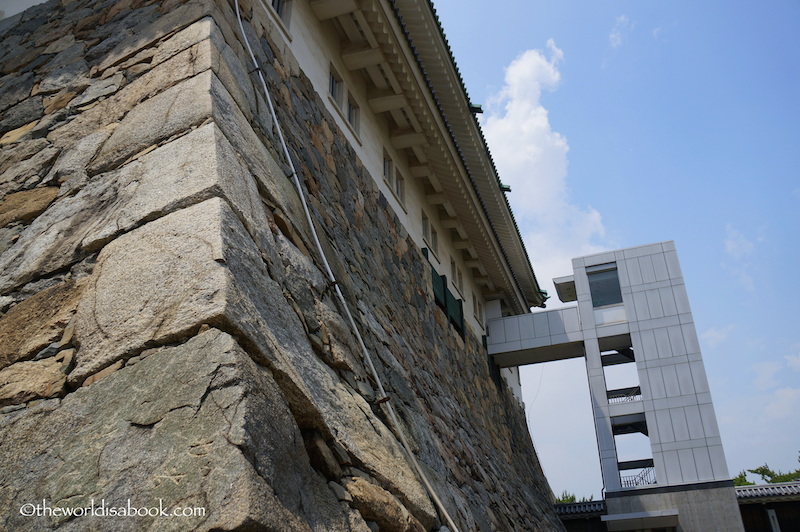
{"x":167,"y":335}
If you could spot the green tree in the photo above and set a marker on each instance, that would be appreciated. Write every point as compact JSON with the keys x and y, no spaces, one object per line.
{"x":768,"y":475}
{"x":741,"y":479}
{"x":570,"y":497}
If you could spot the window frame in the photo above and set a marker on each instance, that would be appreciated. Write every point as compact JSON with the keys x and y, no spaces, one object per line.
{"x":336,"y":87}
{"x":606,"y":290}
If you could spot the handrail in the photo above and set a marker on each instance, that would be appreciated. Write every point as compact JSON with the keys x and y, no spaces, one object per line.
{"x":624,"y":395}
{"x":645,"y":477}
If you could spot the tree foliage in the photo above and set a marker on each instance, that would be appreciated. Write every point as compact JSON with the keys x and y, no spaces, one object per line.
{"x":767,"y":475}
{"x":566,"y":497}
{"x":741,"y":479}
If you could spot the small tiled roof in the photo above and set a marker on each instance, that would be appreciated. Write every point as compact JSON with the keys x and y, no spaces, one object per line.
{"x":572,"y":510}
{"x":763,"y":492}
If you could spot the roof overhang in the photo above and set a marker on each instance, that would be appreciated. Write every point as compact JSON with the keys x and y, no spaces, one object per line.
{"x":411,"y":75}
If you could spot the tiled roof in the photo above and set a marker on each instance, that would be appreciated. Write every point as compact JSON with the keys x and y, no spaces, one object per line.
{"x":757,"y":493}
{"x":580,"y":509}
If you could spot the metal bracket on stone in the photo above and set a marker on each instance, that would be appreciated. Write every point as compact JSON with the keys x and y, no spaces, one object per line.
{"x":329,"y":286}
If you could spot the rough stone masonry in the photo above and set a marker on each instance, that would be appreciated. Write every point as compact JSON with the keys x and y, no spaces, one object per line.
{"x":166,"y":334}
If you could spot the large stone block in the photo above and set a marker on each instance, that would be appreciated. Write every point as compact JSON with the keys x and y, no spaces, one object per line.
{"x":194,"y":426}
{"x":25,"y":205}
{"x":139,"y":298}
{"x":148,"y":33}
{"x":159,"y":283}
{"x":38,"y":321}
{"x":172,"y":112}
{"x":175,"y":68}
{"x":26,"y":381}
{"x":188,"y":170}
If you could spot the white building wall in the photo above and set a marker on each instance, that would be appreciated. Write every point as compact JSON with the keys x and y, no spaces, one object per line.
{"x":316,"y":47}
{"x":683,"y":432}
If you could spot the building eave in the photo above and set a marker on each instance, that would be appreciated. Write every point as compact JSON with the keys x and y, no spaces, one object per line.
{"x":421,"y":92}
{"x":448,"y":87}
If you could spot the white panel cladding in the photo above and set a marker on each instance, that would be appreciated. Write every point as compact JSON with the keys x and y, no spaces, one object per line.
{"x":673,"y":266}
{"x":556,"y":322}
{"x":676,"y":341}
{"x":662,"y":343}
{"x":688,"y":467}
{"x":641,"y":306}
{"x":695,"y":422}
{"x":512,"y":329}
{"x":497,"y":331}
{"x":681,"y":424}
{"x":652,"y":423}
{"x":654,"y":304}
{"x":634,"y":272}
{"x":718,"y":463}
{"x":681,"y":299}
{"x":672,"y":467}
{"x":702,"y":461}
{"x":690,"y":337}
{"x":685,"y":380}
{"x":668,"y":304}
{"x":699,"y":377}
{"x":657,"y":388}
{"x":660,"y":267}
{"x":541,"y":324}
{"x":671,"y":386}
{"x":664,"y":421}
{"x":646,"y":266}
{"x":709,"y":420}
{"x":648,"y":349}
{"x":581,"y":283}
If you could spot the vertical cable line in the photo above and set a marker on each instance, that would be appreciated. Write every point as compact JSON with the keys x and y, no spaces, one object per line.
{"x":332,"y":280}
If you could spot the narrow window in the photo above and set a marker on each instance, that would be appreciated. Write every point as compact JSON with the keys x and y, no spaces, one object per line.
{"x":453,"y":270}
{"x":352,"y":113}
{"x":400,"y":187}
{"x":434,"y":240}
{"x":604,"y":285}
{"x":426,"y":227}
{"x":460,"y":278}
{"x":279,"y":6}
{"x":388,"y":169}
{"x":336,"y":87}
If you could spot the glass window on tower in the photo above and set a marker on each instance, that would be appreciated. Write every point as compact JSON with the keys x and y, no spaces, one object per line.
{"x":604,"y":285}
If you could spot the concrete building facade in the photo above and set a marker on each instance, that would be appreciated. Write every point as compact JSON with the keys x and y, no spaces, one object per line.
{"x":633,"y":314}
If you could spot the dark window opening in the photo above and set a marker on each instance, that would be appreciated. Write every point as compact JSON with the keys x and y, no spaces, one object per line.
{"x":604,"y":285}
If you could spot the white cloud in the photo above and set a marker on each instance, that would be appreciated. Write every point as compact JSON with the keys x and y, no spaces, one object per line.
{"x":786,"y":402}
{"x":793,"y":361}
{"x":765,"y":374}
{"x":532,"y":159}
{"x":740,"y":248}
{"x":715,"y":336}
{"x":737,"y":245}
{"x":621,"y":25}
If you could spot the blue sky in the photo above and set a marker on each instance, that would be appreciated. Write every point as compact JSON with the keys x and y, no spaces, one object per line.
{"x":620,"y":123}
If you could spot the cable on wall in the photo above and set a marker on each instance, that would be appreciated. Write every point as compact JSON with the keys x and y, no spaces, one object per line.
{"x":332,"y":280}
